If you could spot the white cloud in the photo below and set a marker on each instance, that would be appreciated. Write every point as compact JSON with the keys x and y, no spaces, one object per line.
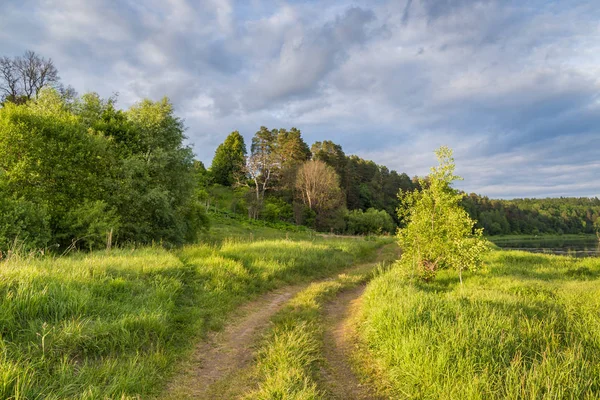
{"x":512,"y":86}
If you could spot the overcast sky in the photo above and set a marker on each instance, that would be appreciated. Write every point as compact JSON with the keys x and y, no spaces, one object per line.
{"x":511,"y":86}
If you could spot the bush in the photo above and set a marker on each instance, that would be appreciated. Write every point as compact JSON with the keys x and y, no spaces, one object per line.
{"x":276,"y":210}
{"x":24,"y":222}
{"x":369,"y":222}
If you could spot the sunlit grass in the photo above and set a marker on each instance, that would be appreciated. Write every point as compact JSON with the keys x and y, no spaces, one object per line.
{"x":528,"y":327}
{"x":112,"y":325}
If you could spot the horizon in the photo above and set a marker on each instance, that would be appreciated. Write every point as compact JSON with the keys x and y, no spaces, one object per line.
{"x":511,"y":87}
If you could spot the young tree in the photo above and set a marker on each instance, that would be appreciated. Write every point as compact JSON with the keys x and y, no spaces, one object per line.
{"x":439,"y":233}
{"x":228,"y":164}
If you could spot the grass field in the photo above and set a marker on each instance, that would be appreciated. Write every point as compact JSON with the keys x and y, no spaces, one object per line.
{"x":112,"y":325}
{"x":528,"y":327}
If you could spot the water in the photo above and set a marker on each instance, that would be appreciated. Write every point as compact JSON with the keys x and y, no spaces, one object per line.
{"x":576,"y":247}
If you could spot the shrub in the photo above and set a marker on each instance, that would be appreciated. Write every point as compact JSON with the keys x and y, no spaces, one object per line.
{"x":24,"y":222}
{"x":369,"y":222}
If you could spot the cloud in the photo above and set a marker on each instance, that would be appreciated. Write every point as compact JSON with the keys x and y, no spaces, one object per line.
{"x":306,"y":56}
{"x":512,"y":86}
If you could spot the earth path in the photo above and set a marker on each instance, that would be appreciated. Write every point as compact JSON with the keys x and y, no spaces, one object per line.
{"x":219,"y":364}
{"x":339,"y":342}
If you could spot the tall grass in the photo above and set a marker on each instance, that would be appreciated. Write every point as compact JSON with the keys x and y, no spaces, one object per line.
{"x":526,"y":328}
{"x":111,"y":325}
{"x":290,"y":353}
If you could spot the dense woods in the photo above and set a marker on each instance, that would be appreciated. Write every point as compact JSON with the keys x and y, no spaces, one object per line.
{"x":534,"y":216}
{"x":282,"y":179}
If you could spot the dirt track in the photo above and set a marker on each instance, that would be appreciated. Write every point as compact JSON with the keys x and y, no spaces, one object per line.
{"x":226,"y":353}
{"x":339,"y":379}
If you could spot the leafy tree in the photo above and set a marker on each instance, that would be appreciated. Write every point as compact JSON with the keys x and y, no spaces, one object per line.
{"x":73,"y":172}
{"x":292,"y":151}
{"x":228,"y":164}
{"x":49,"y":158}
{"x":291,"y":148}
{"x":331,"y":154}
{"x":318,"y":188}
{"x":439,"y":233}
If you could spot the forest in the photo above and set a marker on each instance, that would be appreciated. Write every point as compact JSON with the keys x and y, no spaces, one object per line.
{"x":78,"y":172}
{"x":556,"y":216}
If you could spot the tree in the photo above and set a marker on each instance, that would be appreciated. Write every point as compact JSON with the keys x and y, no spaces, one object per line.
{"x":22,"y":78}
{"x":71,"y":173}
{"x":228,"y":164}
{"x":318,"y":188}
{"x":439,"y":233}
{"x":291,"y":148}
{"x":331,"y":154}
{"x":262,"y":165}
{"x":292,"y":151}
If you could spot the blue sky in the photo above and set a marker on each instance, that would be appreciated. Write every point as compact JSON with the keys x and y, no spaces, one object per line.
{"x":511,"y":86}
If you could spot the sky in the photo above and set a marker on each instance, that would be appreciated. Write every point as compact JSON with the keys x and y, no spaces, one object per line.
{"x":511,"y":86}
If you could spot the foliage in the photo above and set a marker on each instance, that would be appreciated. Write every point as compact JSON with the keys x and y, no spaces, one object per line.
{"x":229,"y":161}
{"x":534,"y":216}
{"x":23,"y":222}
{"x":524,"y":328}
{"x":276,"y":209}
{"x":369,"y":222}
{"x":439,"y":233}
{"x":92,"y":169}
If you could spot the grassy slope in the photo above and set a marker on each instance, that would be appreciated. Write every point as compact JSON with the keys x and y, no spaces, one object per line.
{"x":111,"y":325}
{"x":529,"y":327}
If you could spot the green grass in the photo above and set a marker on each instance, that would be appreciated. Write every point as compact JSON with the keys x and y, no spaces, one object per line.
{"x":526,"y":328}
{"x":290,"y":354}
{"x":543,"y":237}
{"x":113,"y":325}
{"x":288,"y":358}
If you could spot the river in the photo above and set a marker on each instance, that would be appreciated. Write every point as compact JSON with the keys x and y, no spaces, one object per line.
{"x":583,"y":246}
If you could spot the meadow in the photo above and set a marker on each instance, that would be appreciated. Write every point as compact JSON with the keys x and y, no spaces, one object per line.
{"x":524,"y":327}
{"x":114,"y":324}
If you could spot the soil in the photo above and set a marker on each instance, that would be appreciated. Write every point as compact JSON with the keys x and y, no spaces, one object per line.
{"x":223,"y":354}
{"x":339,"y":341}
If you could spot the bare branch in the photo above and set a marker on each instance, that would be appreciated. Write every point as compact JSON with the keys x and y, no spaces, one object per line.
{"x":9,"y":82}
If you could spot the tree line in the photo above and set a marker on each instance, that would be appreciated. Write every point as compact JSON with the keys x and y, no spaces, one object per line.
{"x":76,"y":171}
{"x":281,"y":178}
{"x":564,"y":215}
